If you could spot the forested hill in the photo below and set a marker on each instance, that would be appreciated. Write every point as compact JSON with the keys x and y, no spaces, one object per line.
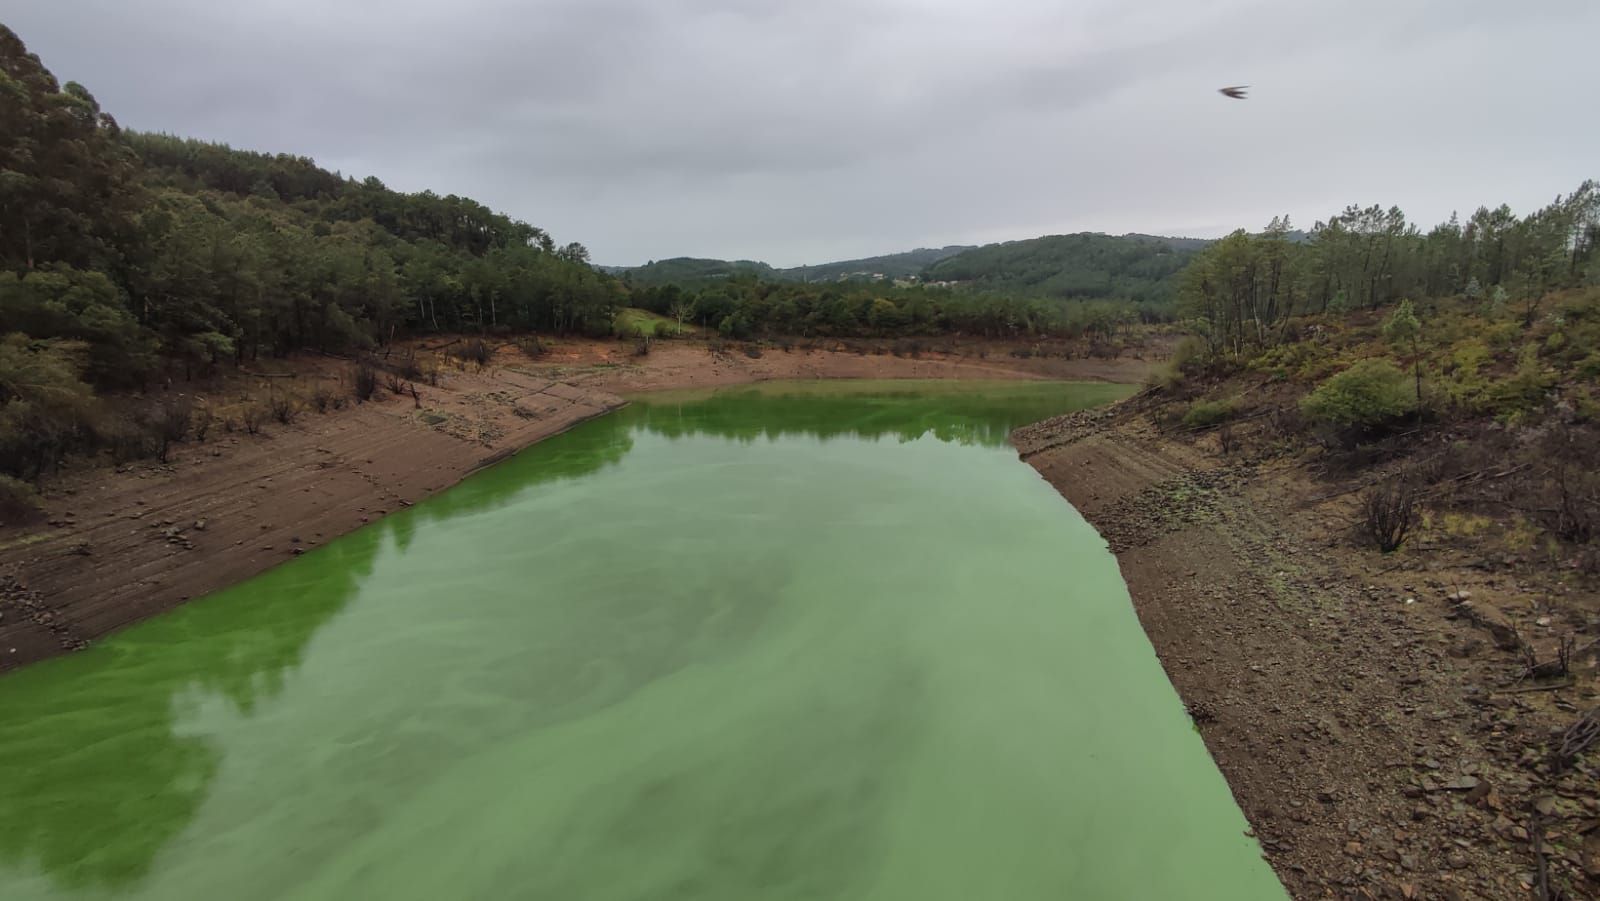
{"x":140,"y":250}
{"x":1081,"y":266}
{"x":692,"y":272}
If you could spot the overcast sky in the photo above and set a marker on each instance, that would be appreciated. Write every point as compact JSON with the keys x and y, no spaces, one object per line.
{"x":799,"y":131}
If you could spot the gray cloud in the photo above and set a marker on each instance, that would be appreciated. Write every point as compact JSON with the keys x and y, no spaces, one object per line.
{"x":798,"y":132}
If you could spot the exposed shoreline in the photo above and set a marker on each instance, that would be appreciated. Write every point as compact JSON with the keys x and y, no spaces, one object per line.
{"x":124,"y":544}
{"x":1333,"y":711}
{"x":1350,"y":706}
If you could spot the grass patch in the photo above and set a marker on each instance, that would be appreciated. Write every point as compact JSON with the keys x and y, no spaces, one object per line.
{"x":632,"y":322}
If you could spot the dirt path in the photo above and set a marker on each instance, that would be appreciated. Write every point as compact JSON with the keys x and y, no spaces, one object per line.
{"x":122,"y":544}
{"x":1369,"y":753}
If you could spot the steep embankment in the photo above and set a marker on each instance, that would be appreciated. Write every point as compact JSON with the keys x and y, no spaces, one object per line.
{"x":122,"y":544}
{"x":1357,"y":710}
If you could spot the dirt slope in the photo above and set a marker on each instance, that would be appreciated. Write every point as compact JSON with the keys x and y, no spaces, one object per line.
{"x":1363,"y":735}
{"x":124,"y":544}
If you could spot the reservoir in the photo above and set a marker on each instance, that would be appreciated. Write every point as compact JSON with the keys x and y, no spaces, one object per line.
{"x":794,"y":641}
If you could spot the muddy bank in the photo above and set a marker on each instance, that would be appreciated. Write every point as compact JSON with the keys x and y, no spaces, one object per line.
{"x":121,"y":544}
{"x":1359,"y":718}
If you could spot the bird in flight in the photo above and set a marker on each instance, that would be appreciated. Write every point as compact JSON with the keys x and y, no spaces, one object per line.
{"x":1235,"y":91}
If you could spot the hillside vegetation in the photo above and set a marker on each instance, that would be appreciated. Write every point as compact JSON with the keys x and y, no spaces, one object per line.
{"x":1082,"y":266}
{"x":1455,"y":373}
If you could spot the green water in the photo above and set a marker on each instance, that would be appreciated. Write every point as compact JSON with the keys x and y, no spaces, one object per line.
{"x":805,"y":641}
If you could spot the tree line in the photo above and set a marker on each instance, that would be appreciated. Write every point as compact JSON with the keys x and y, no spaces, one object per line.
{"x":1241,"y":292}
{"x":746,"y":307}
{"x":142,"y":250}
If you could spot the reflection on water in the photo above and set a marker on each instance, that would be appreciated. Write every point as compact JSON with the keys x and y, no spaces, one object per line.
{"x":97,"y":776}
{"x":963,"y":412}
{"x":783,"y":642}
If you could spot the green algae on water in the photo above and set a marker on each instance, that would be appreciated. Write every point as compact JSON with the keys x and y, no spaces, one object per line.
{"x":794,"y":641}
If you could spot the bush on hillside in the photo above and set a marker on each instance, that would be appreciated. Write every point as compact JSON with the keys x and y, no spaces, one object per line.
{"x":1207,"y":413}
{"x":175,"y":417}
{"x":1388,"y":511}
{"x":473,"y":350}
{"x":253,"y":417}
{"x":1526,"y":390}
{"x":1368,"y":396}
{"x":365,"y":381}
{"x":1589,"y":367}
{"x":19,"y":503}
{"x":407,"y":366}
{"x":284,"y":408}
{"x":203,"y":417}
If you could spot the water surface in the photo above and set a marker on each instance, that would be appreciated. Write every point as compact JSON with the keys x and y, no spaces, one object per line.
{"x":789,"y":642}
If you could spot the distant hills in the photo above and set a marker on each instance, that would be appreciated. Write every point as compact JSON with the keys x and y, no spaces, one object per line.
{"x":689,"y":270}
{"x":1087,"y":265}
{"x":692,"y":271}
{"x":894,"y":265}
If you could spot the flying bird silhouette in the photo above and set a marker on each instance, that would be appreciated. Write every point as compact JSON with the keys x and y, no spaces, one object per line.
{"x":1235,"y":91}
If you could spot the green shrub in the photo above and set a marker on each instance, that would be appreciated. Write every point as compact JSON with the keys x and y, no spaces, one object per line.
{"x":1209,"y":413}
{"x":1369,"y":394}
{"x":1189,"y":356}
{"x":1299,"y":360}
{"x":1500,"y":336}
{"x":19,"y":503}
{"x":1462,"y":382}
{"x":1589,"y":367}
{"x":1528,"y":387}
